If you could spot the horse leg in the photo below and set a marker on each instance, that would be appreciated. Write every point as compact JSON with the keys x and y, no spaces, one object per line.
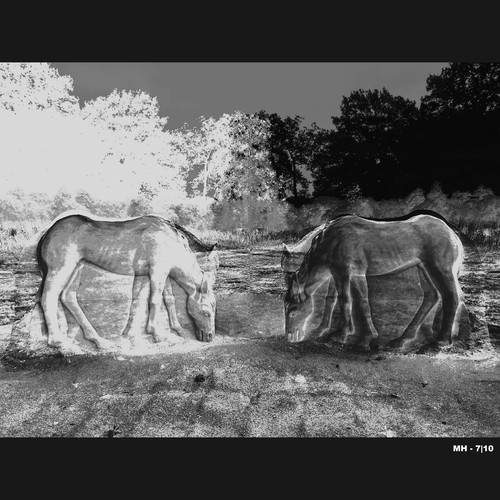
{"x":325,"y":327}
{"x":360,"y":286}
{"x":430,"y":299}
{"x":169,"y":299}
{"x":343,"y":284}
{"x":134,"y":306}
{"x":69,"y":299}
{"x":54,"y":284}
{"x":447,"y":283}
{"x":156,"y":283}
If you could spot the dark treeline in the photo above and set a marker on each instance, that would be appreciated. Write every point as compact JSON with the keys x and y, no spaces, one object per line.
{"x":385,"y":146}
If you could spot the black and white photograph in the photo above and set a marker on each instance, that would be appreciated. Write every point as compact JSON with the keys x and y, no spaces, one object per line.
{"x":251,"y":250}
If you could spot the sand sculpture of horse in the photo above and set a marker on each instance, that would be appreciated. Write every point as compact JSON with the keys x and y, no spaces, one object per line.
{"x":206,"y":255}
{"x":292,"y":257}
{"x":147,"y":245}
{"x":350,"y":248}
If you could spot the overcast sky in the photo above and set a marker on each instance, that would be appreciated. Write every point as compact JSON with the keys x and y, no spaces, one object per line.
{"x":186,"y":91}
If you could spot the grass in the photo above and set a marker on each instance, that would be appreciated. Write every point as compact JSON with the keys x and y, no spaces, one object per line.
{"x":485,"y":234}
{"x":245,"y":239}
{"x":15,"y":235}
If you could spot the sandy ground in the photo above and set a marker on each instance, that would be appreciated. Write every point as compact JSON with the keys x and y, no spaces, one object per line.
{"x":236,"y":387}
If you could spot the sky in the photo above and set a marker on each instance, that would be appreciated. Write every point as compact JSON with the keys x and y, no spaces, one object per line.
{"x":186,"y":91}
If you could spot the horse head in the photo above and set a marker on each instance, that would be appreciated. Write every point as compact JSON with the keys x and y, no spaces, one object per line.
{"x":298,"y":309}
{"x":201,"y":307}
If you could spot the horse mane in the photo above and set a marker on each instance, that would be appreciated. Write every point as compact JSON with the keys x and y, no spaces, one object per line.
{"x":194,"y":242}
{"x":311,"y":234}
{"x":303,"y":271}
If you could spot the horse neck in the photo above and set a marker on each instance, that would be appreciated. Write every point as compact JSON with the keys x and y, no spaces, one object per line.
{"x":305,"y":243}
{"x":311,"y":275}
{"x":188,"y":275}
{"x":311,"y":264}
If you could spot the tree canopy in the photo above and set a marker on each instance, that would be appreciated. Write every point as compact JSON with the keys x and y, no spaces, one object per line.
{"x":36,"y":86}
{"x":380,"y":145}
{"x":364,"y":147}
{"x":459,"y":131}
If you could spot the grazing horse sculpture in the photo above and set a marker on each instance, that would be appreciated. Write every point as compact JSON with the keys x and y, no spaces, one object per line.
{"x":147,"y":245}
{"x":206,"y":255}
{"x":350,"y":248}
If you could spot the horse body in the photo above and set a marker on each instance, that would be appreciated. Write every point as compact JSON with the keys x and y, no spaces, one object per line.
{"x":375,"y":248}
{"x":352,"y":248}
{"x":141,"y":246}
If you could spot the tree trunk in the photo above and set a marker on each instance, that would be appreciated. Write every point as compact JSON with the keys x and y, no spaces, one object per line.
{"x":294,"y":173}
{"x":205,"y":173}
{"x":205,"y":177}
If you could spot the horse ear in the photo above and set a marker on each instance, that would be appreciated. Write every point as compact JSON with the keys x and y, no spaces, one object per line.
{"x":286,"y":254}
{"x":213,"y":257}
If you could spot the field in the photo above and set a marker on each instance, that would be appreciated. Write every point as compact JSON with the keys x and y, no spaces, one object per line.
{"x":250,"y":382}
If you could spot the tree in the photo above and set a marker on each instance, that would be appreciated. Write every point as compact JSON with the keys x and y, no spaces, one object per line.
{"x":44,"y":150}
{"x":462,"y":87}
{"x":134,"y":112}
{"x":208,"y":148}
{"x":366,"y":143}
{"x":292,"y":148}
{"x":460,"y":130}
{"x":139,"y":151}
{"x":36,"y":86}
{"x":250,"y":174}
{"x":229,"y":157}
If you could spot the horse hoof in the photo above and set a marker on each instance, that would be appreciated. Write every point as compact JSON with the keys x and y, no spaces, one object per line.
{"x":395,"y":344}
{"x":56,"y":344}
{"x":104,"y":345}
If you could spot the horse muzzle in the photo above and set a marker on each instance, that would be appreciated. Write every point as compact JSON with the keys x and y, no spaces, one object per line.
{"x":296,"y":335}
{"x":204,"y":336}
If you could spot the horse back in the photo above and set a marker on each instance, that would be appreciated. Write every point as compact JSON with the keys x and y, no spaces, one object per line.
{"x":355,"y":240}
{"x":122,"y":246}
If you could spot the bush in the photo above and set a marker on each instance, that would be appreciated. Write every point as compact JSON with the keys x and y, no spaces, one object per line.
{"x":270,"y":215}
{"x":100,"y":207}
